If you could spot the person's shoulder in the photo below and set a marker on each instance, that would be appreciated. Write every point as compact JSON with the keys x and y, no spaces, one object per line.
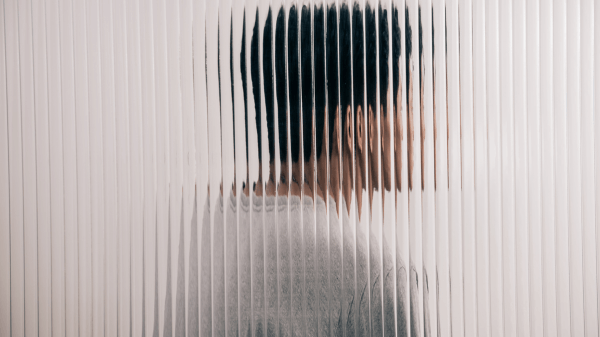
{"x":257,"y":202}
{"x":307,"y":201}
{"x":270,"y":202}
{"x":345,"y":211}
{"x":282,"y":202}
{"x":331,"y":201}
{"x":244,"y":202}
{"x":320,"y":202}
{"x":294,"y":201}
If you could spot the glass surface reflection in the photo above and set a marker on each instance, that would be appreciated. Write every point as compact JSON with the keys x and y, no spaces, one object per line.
{"x":295,"y":203}
{"x":333,"y":193}
{"x":308,"y":190}
{"x":244,"y":230}
{"x":270,"y":199}
{"x":400,"y":170}
{"x":347,"y":145}
{"x":321,"y":144}
{"x":375,"y":225}
{"x":283,"y":268}
{"x":360,"y":175}
{"x":256,"y":211}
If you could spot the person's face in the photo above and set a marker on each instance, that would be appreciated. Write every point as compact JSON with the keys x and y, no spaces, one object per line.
{"x":361,"y":145}
{"x":334,"y":162}
{"x":348,"y":156}
{"x":386,"y":160}
{"x":410,"y":129}
{"x":322,"y":161}
{"x":309,"y":174}
{"x":360,"y":142}
{"x":348,"y":135}
{"x":283,"y":185}
{"x":398,"y":139}
{"x":373,"y":153}
{"x":271,"y":184}
{"x":295,"y":182}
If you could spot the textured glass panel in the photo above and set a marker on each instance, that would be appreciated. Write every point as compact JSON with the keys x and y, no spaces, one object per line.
{"x":299,"y":168}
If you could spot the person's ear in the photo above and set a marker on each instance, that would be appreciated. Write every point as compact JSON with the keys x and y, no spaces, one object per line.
{"x":349,"y":127}
{"x":359,"y":127}
{"x":385,"y":126}
{"x":334,"y":131}
{"x":394,"y":139}
{"x":371,"y":126}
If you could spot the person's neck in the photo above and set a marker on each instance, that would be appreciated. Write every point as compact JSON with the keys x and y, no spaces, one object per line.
{"x":258,"y":187}
{"x":322,"y":179}
{"x":309,"y":183}
{"x":359,"y":192}
{"x":347,"y":182}
{"x":296,"y":179}
{"x":371,"y":189}
{"x":271,"y":184}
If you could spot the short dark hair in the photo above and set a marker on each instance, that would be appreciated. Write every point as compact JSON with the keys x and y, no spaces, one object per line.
{"x":408,"y":42}
{"x":384,"y":50}
{"x":244,"y":80}
{"x":358,"y":56}
{"x":268,"y":83}
{"x":345,"y":59}
{"x":306,"y":70}
{"x":231,"y":77}
{"x":294,"y":84}
{"x":281,"y":82}
{"x":255,"y":75}
{"x":332,"y":71}
{"x":396,"y":52}
{"x":320,"y":85}
{"x":371,"y":56}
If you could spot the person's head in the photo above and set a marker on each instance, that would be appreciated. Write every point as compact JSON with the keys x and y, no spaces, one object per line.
{"x":360,"y":144}
{"x":372,"y":123}
{"x":231,"y":72}
{"x":386,"y":120}
{"x":346,"y":117}
{"x":334,"y":151}
{"x":398,"y":137}
{"x":255,"y":77}
{"x":333,"y":111}
{"x":320,"y":93}
{"x":294,"y":99}
{"x":347,"y":153}
{"x":307,"y":100}
{"x":409,"y":101}
{"x":268,"y":86}
{"x":373,"y":138}
{"x":280,"y":89}
{"x":397,"y":97}
{"x":358,"y":77}
{"x":243,"y":70}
